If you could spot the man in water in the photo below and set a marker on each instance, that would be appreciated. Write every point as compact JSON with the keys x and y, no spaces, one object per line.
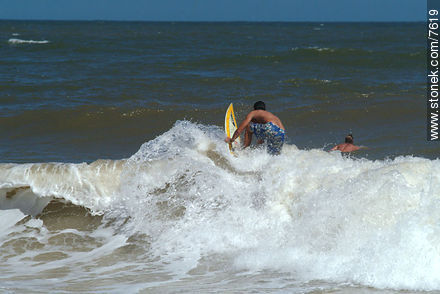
{"x":348,"y":146}
{"x":266,"y":127}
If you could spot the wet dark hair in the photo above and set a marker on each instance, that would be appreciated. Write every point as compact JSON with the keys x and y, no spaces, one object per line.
{"x":349,"y":139}
{"x":259,"y":105}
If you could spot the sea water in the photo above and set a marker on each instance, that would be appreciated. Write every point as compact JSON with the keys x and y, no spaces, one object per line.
{"x":115,"y":176}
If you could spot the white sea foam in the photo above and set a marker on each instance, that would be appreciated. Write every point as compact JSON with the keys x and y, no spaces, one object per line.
{"x":313,"y":48}
{"x":320,"y":215}
{"x":30,"y":187}
{"x":20,"y":41}
{"x":8,"y":218}
{"x":311,"y":214}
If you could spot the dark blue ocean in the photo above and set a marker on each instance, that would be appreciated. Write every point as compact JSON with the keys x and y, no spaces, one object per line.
{"x":79,"y":91}
{"x":114,"y":175}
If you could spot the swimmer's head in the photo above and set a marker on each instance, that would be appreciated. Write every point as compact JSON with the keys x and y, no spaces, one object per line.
{"x":349,"y":139}
{"x":259,"y":105}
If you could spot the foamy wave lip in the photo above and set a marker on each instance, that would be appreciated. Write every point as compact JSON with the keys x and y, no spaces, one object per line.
{"x":20,"y":41}
{"x":322,"y":216}
{"x":321,"y":49}
{"x":30,"y":187}
{"x":313,"y":48}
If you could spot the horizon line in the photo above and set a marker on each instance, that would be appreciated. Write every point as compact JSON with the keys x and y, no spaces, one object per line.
{"x":220,"y":21}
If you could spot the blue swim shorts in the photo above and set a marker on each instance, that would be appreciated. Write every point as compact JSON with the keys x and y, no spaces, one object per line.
{"x":271,"y":133}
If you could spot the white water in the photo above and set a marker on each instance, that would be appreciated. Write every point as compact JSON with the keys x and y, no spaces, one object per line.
{"x":20,"y":41}
{"x":307,"y":215}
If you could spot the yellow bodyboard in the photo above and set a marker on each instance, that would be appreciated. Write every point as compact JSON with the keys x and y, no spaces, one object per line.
{"x":230,"y":127}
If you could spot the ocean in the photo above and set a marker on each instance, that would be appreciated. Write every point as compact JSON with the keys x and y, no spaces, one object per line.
{"x":114,"y":174}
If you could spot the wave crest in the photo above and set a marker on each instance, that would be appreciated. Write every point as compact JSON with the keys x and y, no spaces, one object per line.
{"x":30,"y":187}
{"x":321,"y":215}
{"x":20,"y":41}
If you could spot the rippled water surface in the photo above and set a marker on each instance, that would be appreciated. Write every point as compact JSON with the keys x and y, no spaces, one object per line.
{"x":114,"y":175}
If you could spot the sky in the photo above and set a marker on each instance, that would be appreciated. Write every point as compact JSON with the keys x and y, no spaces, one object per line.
{"x":216,"y":10}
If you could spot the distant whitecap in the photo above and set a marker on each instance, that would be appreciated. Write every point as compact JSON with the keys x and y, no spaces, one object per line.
{"x":20,"y":41}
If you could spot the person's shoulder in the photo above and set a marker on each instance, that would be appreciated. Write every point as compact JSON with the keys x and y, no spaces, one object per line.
{"x":350,"y":147}
{"x":264,"y":113}
{"x":251,"y":113}
{"x":356,"y":147}
{"x":257,"y":112}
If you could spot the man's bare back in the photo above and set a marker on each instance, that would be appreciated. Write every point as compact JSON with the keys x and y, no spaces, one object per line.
{"x":265,"y":125}
{"x":346,"y":147}
{"x":263,"y":117}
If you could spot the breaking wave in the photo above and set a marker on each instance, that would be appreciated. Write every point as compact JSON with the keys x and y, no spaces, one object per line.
{"x":20,"y":41}
{"x":319,"y":215}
